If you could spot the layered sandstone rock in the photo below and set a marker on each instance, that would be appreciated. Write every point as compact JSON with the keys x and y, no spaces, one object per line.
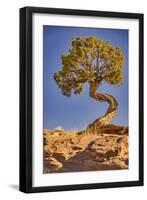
{"x":106,"y":149}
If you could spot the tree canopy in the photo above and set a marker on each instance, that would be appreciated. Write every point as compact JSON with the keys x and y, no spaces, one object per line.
{"x":89,"y":59}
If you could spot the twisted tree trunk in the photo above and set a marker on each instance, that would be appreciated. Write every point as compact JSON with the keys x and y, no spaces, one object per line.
{"x":111,"y":111}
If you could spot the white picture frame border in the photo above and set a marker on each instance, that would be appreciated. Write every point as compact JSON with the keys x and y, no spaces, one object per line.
{"x":131,"y":174}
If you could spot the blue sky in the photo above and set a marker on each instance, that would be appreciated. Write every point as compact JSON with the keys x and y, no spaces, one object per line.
{"x":77,"y":111}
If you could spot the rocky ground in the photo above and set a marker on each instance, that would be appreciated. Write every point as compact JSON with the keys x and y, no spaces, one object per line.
{"x":103,"y":149}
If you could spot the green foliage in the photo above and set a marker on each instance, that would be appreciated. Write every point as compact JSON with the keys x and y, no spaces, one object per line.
{"x":89,"y":60}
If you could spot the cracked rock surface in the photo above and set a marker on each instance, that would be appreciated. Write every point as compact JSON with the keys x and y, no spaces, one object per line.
{"x":104,"y":149}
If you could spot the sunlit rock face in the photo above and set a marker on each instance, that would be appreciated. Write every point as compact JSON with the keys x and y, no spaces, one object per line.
{"x":104,"y":149}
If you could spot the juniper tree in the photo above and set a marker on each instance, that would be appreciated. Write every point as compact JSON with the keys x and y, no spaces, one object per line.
{"x":94,"y":61}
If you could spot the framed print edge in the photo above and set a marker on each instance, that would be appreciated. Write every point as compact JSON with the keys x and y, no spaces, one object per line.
{"x":26,"y":138}
{"x":25,"y":168}
{"x":141,"y":99}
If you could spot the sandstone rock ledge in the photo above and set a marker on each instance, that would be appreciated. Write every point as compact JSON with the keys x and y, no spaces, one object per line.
{"x":106,"y":149}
